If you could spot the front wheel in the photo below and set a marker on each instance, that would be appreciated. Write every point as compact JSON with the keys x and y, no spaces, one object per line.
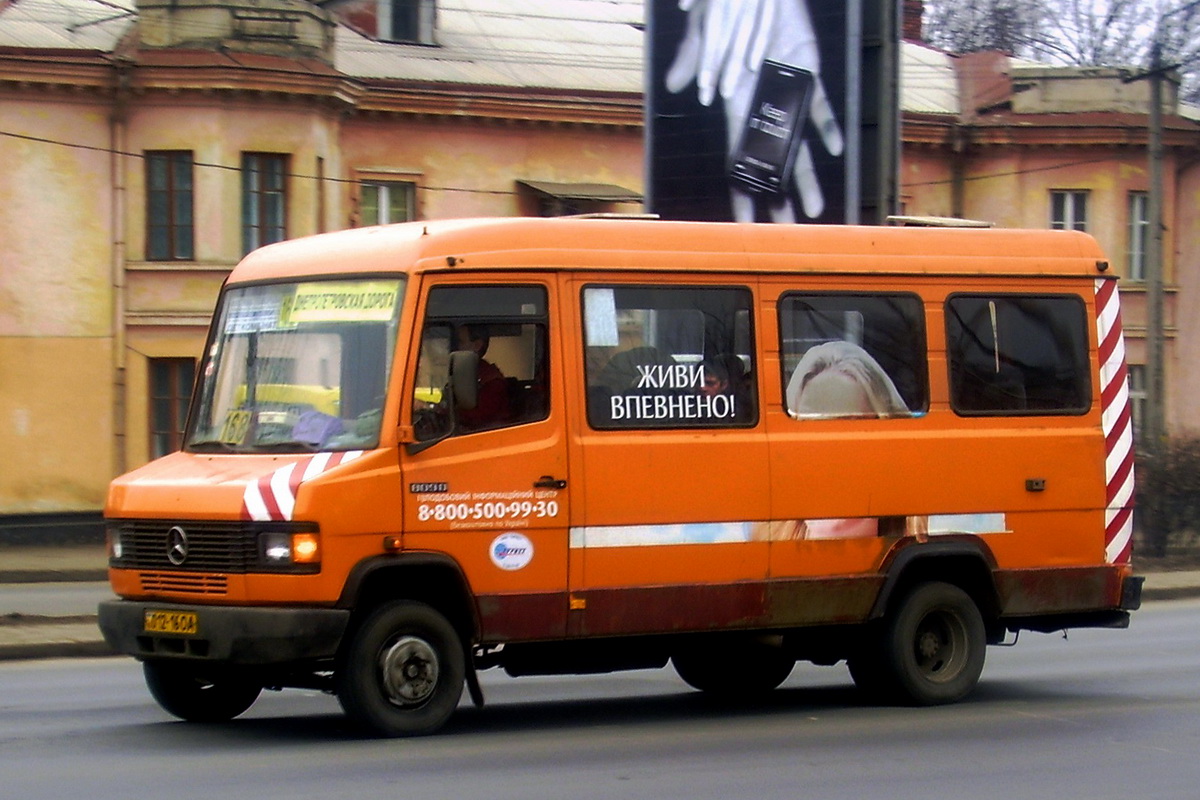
{"x":404,"y":671}
{"x":929,"y":651}
{"x":198,"y":697}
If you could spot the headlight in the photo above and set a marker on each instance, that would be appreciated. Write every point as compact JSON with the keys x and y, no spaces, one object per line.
{"x":116,"y":550}
{"x":286,"y":550}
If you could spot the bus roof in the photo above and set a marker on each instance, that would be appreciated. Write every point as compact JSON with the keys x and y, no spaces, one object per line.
{"x":574,"y":243}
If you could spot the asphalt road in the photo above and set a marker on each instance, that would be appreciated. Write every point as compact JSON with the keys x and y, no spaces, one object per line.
{"x":1105,"y":714}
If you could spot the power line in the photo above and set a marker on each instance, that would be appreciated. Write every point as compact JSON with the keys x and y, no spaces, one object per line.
{"x":229,"y":168}
{"x":1011,"y":173}
{"x":498,"y":192}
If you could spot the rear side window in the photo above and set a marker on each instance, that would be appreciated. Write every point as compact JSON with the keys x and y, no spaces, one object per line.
{"x":853,"y":355}
{"x":1018,"y":354}
{"x":669,"y":357}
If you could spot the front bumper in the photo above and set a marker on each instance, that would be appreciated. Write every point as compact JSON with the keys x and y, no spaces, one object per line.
{"x":226,"y":634}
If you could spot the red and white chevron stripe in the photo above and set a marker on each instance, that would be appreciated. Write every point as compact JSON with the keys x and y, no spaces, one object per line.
{"x":273,"y":496}
{"x":1117,"y":424}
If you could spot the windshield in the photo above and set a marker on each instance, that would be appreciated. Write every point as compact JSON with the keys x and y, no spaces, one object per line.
{"x":298,"y":367}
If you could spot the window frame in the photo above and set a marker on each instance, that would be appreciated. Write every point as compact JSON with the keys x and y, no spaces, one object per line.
{"x":173,"y":402}
{"x":175,"y":213}
{"x":264,"y":206}
{"x":542,"y":346}
{"x":1138,"y":232}
{"x":920,"y":366}
{"x":1083,"y":356}
{"x":750,"y":388}
{"x":1138,"y":378}
{"x":383,"y":206}
{"x":419,"y":17}
{"x":1074,"y":216}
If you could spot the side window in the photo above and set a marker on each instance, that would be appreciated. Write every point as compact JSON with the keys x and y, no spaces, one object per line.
{"x":506,"y":326}
{"x":669,"y":357}
{"x":853,"y":355}
{"x":1018,"y":354}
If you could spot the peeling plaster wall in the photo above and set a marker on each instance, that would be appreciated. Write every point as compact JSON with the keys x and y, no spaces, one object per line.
{"x":56,"y":398}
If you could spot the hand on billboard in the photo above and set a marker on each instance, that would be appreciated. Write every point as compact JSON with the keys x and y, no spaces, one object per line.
{"x":722,"y":52}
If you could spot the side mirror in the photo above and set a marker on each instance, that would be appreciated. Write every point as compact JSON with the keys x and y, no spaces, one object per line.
{"x":462,"y":394}
{"x":464,"y":379}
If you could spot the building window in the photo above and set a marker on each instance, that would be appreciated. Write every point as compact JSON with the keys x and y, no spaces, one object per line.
{"x":1137,"y":396}
{"x":409,"y":21}
{"x":1068,"y":211}
{"x":171,"y":382}
{"x":264,"y":199}
{"x":385,"y":202}
{"x":1139,"y":229}
{"x":169,"y":206}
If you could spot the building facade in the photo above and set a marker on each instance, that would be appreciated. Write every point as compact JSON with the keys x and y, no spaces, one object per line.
{"x":145,"y":148}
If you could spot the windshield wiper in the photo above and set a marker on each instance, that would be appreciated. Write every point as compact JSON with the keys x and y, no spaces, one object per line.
{"x":211,"y":445}
{"x":285,"y":444}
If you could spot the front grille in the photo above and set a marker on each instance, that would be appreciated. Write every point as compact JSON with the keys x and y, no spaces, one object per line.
{"x":184,"y":583}
{"x":230,"y":547}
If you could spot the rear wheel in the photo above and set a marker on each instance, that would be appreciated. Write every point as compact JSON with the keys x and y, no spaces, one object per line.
{"x":929,"y":651}
{"x":196,"y":696}
{"x":733,"y":667}
{"x":404,"y":671}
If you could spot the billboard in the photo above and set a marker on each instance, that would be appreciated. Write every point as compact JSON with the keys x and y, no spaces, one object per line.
{"x":771,"y":110}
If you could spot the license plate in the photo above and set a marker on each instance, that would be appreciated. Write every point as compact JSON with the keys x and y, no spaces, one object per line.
{"x":184,"y":623}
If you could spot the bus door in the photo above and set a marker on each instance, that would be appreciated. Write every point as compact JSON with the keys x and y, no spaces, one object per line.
{"x":668,"y":461}
{"x":489,"y":487}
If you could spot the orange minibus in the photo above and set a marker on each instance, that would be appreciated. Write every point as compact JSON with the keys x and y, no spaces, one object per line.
{"x":566,"y":446}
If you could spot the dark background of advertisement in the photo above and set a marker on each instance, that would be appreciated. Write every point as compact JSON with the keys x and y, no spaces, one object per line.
{"x":687,"y":163}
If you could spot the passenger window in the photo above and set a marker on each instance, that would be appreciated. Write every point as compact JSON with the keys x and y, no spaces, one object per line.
{"x":669,"y":357}
{"x":506,"y":326}
{"x":1018,"y":354}
{"x":853,"y":355}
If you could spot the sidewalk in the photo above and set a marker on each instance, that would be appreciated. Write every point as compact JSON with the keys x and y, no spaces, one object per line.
{"x":27,"y":574}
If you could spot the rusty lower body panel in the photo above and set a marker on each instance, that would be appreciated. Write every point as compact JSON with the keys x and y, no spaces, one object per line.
{"x":1067,"y":597}
{"x":1042,"y":599}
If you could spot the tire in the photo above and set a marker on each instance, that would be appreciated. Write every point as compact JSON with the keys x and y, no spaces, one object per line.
{"x":195,"y":696}
{"x":404,"y":671}
{"x":733,"y":668}
{"x":929,"y":651}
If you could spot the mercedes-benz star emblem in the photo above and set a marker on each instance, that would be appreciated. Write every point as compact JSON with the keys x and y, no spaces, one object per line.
{"x":177,"y":545}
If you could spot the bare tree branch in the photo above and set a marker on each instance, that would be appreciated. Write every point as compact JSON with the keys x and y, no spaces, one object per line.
{"x":1115,"y":33}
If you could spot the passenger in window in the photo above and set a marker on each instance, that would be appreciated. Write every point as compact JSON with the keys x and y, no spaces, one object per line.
{"x":716,"y":379}
{"x":492,"y":408}
{"x":725,"y":375}
{"x":841,"y":379}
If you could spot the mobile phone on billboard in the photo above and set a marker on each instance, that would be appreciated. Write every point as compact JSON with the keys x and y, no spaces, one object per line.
{"x":767,"y":146}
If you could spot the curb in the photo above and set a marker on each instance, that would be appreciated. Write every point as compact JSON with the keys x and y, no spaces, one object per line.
{"x":46,"y":650}
{"x":54,"y":576}
{"x":1170,"y":593}
{"x":27,"y":637}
